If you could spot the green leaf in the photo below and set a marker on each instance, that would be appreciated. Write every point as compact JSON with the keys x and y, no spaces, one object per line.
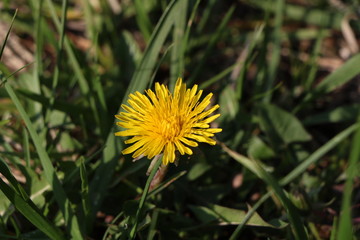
{"x":157,"y":162}
{"x":211,"y":44}
{"x":342,"y":75}
{"x":25,"y":206}
{"x":7,"y":34}
{"x":84,"y":192}
{"x":345,"y":113}
{"x":142,"y":19}
{"x":256,"y":167}
{"x":166,"y":183}
{"x":272,"y":66}
{"x":228,"y":102}
{"x":229,"y":216}
{"x":49,"y":171}
{"x":313,"y":158}
{"x":197,"y":170}
{"x":281,"y":126}
{"x":4,"y":206}
{"x":345,"y":229}
{"x":179,"y":39}
{"x":4,"y":122}
{"x":259,"y":150}
{"x":76,"y":65}
{"x":304,"y":13}
{"x":38,"y":186}
{"x":58,"y":105}
{"x":318,"y":154}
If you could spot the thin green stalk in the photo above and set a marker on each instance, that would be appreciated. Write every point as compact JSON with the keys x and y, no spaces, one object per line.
{"x":213,"y":40}
{"x":143,"y":197}
{"x":177,"y":53}
{"x":142,"y":19}
{"x":7,"y":34}
{"x":152,"y":230}
{"x":58,"y":61}
{"x":185,"y":40}
{"x":84,"y":193}
{"x":38,"y":63}
{"x":312,"y":62}
{"x":345,"y":229}
{"x":249,"y":214}
{"x":83,"y":83}
{"x":276,"y":48}
{"x":219,"y":76}
{"x":205,"y":16}
{"x":26,"y":148}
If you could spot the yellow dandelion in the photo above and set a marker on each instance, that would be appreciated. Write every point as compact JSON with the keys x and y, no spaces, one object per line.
{"x":162,"y":122}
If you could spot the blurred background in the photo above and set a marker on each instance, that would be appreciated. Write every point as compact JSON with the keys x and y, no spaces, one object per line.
{"x":284,"y":72}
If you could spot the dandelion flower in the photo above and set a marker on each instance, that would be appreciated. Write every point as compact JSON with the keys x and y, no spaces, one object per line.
{"x":162,"y":122}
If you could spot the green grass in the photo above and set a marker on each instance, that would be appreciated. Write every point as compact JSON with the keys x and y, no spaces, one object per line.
{"x":286,"y":165}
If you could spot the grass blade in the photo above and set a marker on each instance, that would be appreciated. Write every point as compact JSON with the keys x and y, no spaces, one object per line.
{"x":142,"y":19}
{"x":50,"y":174}
{"x":308,"y":83}
{"x":311,"y":16}
{"x":84,"y":192}
{"x":345,"y":227}
{"x":248,"y":216}
{"x":276,"y":48}
{"x":177,"y":53}
{"x":143,"y":73}
{"x":4,"y":169}
{"x":58,"y":61}
{"x":300,"y":169}
{"x":257,"y":169}
{"x":7,"y":34}
{"x":318,"y":154}
{"x":25,"y":206}
{"x":214,"y":38}
{"x":83,"y":84}
{"x":342,"y":75}
{"x":144,"y":195}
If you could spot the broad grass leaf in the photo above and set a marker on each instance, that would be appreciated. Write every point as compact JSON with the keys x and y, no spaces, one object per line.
{"x":197,"y":171}
{"x":4,"y":206}
{"x":281,"y":126}
{"x":229,"y":104}
{"x":229,"y":216}
{"x":345,"y":113}
{"x":259,"y":150}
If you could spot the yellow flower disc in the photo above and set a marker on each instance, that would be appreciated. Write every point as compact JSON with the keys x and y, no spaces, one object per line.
{"x":163,"y":123}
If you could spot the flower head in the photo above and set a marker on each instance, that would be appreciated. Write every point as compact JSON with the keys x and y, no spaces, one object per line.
{"x":162,"y":122}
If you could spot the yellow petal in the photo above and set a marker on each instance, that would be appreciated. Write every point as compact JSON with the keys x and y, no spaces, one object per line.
{"x":208,"y":112}
{"x":189,"y":142}
{"x":180,"y":147}
{"x":212,"y":118}
{"x":126,"y":133}
{"x":201,"y":125}
{"x":133,"y":139}
{"x":169,"y":153}
{"x":204,"y":103}
{"x":133,"y":147}
{"x":200,"y":138}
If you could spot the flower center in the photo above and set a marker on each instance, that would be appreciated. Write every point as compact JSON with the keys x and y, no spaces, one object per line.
{"x":170,"y":127}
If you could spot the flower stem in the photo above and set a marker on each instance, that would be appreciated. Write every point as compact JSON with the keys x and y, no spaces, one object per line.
{"x":143,"y":197}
